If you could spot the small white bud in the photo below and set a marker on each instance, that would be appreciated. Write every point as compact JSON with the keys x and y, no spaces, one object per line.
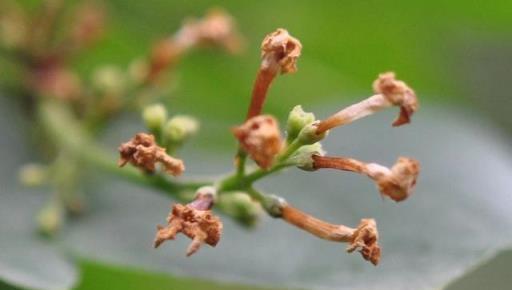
{"x":180,"y":128}
{"x":154,"y":117}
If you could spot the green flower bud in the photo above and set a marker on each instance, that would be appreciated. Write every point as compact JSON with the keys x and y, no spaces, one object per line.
{"x":109,"y":79}
{"x":32,"y":175}
{"x":297,"y":119}
{"x":154,"y":117}
{"x":50,"y":218}
{"x":274,"y":204}
{"x":303,"y":158}
{"x":180,"y":128}
{"x":241,"y":207}
{"x":308,"y":134}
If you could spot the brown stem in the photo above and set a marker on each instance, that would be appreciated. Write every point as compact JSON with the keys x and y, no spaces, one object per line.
{"x":259,"y":92}
{"x":317,"y":227}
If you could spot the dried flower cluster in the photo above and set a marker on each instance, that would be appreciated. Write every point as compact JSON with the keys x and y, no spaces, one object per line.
{"x":142,"y":152}
{"x":49,"y":74}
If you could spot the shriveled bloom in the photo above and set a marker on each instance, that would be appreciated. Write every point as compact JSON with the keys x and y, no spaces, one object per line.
{"x":195,"y":220}
{"x":399,"y":94}
{"x":260,"y":138}
{"x":364,"y":238}
{"x":397,"y":183}
{"x":143,"y":152}
{"x":279,"y":53}
{"x":389,"y":92}
{"x":217,"y":28}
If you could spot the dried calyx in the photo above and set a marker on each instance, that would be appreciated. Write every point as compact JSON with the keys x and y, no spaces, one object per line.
{"x":389,"y":92}
{"x":195,"y":220}
{"x":143,"y":152}
{"x":397,"y":182}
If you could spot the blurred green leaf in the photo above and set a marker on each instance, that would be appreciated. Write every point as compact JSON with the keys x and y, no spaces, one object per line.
{"x":99,"y":276}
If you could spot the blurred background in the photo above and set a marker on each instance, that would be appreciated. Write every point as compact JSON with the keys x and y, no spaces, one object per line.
{"x":452,"y":233}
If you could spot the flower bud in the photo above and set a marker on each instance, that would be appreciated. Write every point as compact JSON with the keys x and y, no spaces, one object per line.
{"x":50,"y":218}
{"x":32,"y":175}
{"x":297,"y":119}
{"x":109,"y":79}
{"x":241,"y":207}
{"x":154,"y":117}
{"x":308,"y":134}
{"x":180,"y":128}
{"x":303,"y":158}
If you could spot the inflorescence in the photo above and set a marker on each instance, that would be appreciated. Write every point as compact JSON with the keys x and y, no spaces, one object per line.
{"x":261,"y":140}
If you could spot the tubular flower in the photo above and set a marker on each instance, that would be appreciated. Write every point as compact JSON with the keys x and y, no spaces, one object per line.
{"x":389,"y":92}
{"x":396,"y":183}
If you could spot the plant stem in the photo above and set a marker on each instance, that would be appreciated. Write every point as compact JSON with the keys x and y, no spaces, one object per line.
{"x":68,"y":134}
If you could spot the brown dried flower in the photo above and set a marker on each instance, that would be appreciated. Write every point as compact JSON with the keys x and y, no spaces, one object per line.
{"x":390,"y":92}
{"x":399,"y":94}
{"x":396,"y":183}
{"x":216,"y":28}
{"x":364,"y":238}
{"x":280,"y":51}
{"x":195,"y":220}
{"x":143,"y":152}
{"x":260,"y":138}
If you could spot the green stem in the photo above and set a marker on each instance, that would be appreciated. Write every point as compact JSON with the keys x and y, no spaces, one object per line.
{"x":69,"y":135}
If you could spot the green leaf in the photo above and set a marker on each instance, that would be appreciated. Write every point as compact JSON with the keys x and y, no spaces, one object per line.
{"x":493,"y":273}
{"x":26,"y":259}
{"x":100,"y":276}
{"x":458,"y":214}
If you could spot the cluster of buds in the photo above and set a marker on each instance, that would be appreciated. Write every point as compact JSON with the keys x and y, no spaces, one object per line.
{"x":171,"y":132}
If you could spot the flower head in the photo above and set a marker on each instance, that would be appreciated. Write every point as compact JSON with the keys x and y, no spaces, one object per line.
{"x":397,"y":183}
{"x":280,"y":51}
{"x":260,"y":138}
{"x":365,"y":240}
{"x":143,"y":152}
{"x":399,"y":94}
